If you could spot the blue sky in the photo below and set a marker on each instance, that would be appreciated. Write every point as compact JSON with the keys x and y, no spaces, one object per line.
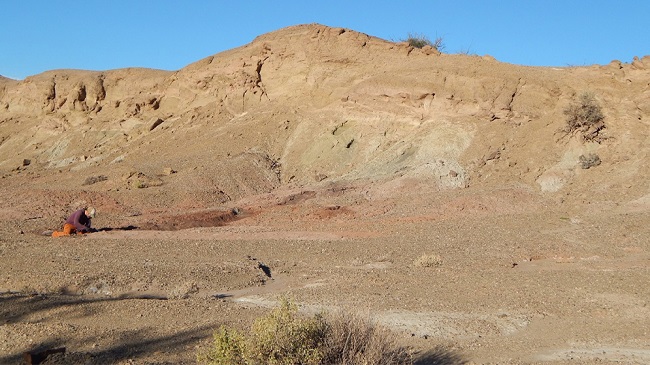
{"x":41,"y":35}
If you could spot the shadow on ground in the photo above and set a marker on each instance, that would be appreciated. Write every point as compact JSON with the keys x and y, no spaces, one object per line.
{"x":193,"y":220}
{"x":125,"y":228}
{"x":439,"y":356}
{"x":127,"y":345}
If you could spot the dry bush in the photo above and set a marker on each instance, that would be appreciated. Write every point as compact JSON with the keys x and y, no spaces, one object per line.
{"x":585,"y":116}
{"x":284,"y":338}
{"x":419,"y":41}
{"x":428,"y":261}
{"x":228,"y":347}
{"x":353,"y":340}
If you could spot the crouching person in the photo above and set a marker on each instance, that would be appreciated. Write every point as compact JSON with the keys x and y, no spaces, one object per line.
{"x":79,"y":222}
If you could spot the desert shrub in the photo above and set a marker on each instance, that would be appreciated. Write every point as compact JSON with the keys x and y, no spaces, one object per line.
{"x":353,"y":340}
{"x":585,"y":116}
{"x":228,"y":347}
{"x":283,"y":337}
{"x":428,"y":261}
{"x":94,"y":179}
{"x":419,"y":41}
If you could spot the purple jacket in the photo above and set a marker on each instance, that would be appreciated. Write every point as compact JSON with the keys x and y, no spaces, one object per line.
{"x":79,"y":220}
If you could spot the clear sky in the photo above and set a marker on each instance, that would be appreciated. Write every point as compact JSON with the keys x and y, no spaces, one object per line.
{"x":41,"y":35}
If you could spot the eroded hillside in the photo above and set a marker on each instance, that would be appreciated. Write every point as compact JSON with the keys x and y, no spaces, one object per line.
{"x":313,"y":105}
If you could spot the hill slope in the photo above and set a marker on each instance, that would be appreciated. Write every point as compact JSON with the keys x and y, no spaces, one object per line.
{"x":309,"y":103}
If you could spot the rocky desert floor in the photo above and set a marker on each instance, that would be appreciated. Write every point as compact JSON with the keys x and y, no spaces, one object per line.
{"x":483,"y":277}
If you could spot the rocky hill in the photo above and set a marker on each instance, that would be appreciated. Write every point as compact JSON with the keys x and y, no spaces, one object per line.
{"x":311,"y":104}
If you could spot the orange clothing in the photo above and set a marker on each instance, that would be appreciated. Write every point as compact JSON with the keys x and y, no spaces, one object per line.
{"x":68,"y":229}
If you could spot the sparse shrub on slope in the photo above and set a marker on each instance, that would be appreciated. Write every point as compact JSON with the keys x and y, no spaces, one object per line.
{"x":419,"y":41}
{"x":585,"y":116}
{"x":283,"y":337}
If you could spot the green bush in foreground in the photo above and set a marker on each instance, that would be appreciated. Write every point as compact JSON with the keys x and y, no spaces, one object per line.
{"x":227,"y":348}
{"x":284,"y":338}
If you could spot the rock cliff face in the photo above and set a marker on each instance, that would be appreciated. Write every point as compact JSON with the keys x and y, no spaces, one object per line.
{"x":310,"y":105}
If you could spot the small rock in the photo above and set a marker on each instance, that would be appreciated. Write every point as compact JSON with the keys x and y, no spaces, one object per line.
{"x":155,"y":124}
{"x":94,"y":179}
{"x":589,"y":161}
{"x":168,"y":171}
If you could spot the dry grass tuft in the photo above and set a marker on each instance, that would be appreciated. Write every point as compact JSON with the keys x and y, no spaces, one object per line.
{"x":420,"y":41}
{"x":354,"y":340}
{"x":428,"y":261}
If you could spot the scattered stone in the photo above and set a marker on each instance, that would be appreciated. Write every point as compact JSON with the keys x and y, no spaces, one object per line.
{"x":589,"y":161}
{"x":94,"y":179}
{"x":168,"y":171}
{"x":118,"y":159}
{"x":641,"y":63}
{"x":185,"y":291}
{"x":320,"y":177}
{"x":27,"y":162}
{"x":429,"y":50}
{"x":136,"y":179}
{"x":495,"y":155}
